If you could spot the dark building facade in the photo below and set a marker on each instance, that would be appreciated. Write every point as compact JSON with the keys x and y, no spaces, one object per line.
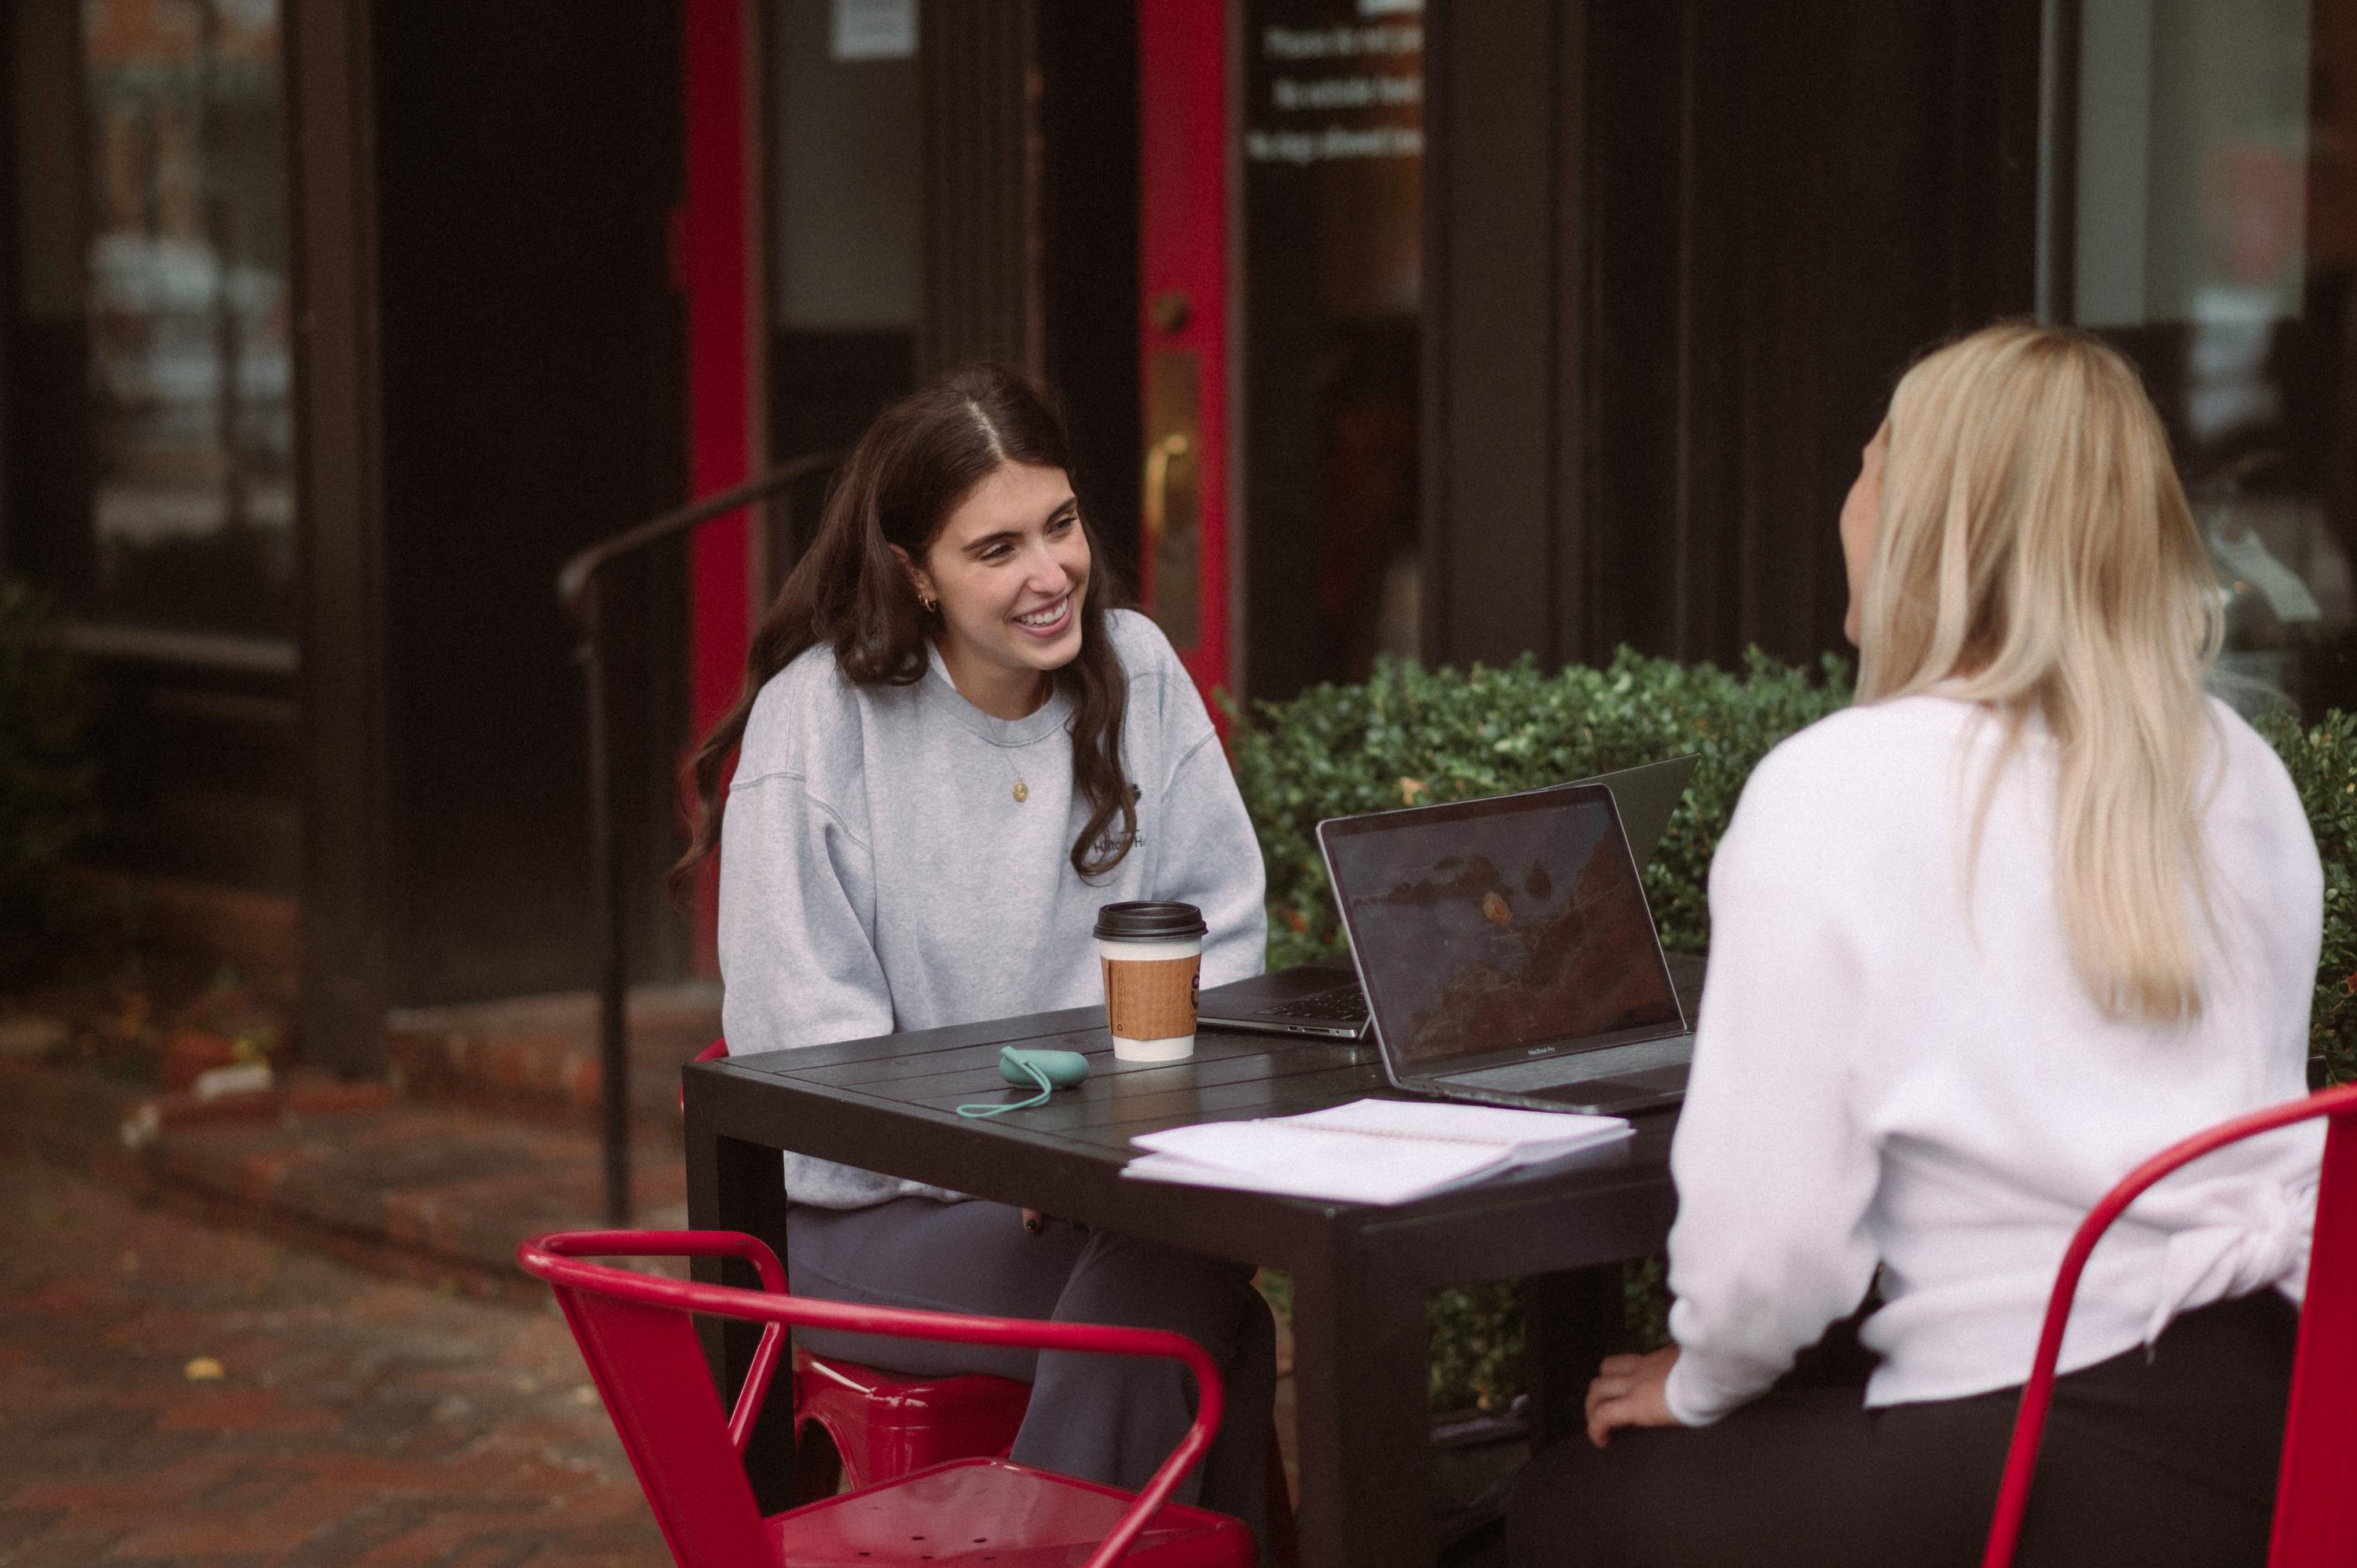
{"x":1456,"y":330}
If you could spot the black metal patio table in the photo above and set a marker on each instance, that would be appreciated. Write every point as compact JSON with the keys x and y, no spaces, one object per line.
{"x":1359,"y":1273}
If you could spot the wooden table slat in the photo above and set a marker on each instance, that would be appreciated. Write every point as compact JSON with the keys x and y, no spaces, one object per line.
{"x":972,"y":1073}
{"x":1100,"y":1104}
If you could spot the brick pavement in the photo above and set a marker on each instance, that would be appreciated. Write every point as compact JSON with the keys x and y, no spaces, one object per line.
{"x":436,"y":1192}
{"x":358,"y":1420}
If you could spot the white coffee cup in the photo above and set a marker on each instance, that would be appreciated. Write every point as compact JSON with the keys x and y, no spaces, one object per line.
{"x":1151,"y":957}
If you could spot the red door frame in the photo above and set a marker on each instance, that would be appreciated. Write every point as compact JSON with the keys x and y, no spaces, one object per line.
{"x":715,"y":259}
{"x":1183,"y":251}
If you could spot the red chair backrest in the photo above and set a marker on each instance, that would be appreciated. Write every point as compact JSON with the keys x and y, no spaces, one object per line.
{"x":2316,"y":1497}
{"x":649,"y":1367}
{"x":636,"y":1333}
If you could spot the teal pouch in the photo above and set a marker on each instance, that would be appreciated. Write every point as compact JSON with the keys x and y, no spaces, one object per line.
{"x":1065,"y":1069}
{"x":1045,"y":1071}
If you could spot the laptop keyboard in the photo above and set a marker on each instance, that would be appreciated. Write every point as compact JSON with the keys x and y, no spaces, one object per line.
{"x":1336,"y":1004}
{"x":1584,"y":1066}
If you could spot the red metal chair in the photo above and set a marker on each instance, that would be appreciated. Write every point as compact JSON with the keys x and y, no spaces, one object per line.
{"x":635,"y":1333}
{"x":2316,"y":1492}
{"x":883,"y":1425}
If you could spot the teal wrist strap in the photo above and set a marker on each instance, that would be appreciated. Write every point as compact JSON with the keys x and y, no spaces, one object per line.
{"x":1046,"y":1089}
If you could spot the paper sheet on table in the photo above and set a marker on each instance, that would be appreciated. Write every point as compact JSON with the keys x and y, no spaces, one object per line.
{"x":1369,"y":1151}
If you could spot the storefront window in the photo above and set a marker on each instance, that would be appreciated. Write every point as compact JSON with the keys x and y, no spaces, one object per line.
{"x":2214,"y":236}
{"x":1333,"y":141}
{"x":190,"y":429}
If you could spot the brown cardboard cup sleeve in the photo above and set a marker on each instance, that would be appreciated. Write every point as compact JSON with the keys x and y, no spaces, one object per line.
{"x":1150,"y":999}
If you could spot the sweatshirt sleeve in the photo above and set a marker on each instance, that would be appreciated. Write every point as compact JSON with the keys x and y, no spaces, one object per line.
{"x":1774,"y":1173}
{"x":1211,"y":858}
{"x":1208,"y":855}
{"x":797,"y":953}
{"x":797,"y":922}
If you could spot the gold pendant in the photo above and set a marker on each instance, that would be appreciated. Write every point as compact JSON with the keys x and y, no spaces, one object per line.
{"x":1022,"y":791}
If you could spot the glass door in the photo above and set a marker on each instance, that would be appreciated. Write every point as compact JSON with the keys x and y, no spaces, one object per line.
{"x":1332,"y":132}
{"x":846,"y":204}
{"x":1278,"y":477}
{"x":2204,"y":219}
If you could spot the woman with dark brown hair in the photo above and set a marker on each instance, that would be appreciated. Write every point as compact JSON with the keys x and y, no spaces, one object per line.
{"x":950,"y":750}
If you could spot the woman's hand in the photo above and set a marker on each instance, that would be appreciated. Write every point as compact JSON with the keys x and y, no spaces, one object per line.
{"x":1627,"y":1392}
{"x":1033,"y":1221}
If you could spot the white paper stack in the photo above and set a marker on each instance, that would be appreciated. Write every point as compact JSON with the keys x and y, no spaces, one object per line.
{"x":1369,"y":1151}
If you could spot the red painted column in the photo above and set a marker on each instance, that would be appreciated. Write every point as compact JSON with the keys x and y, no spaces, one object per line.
{"x":715,"y":258}
{"x":1183,"y":253}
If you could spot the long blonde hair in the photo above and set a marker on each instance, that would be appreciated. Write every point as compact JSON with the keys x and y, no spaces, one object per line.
{"x":2035,"y":553}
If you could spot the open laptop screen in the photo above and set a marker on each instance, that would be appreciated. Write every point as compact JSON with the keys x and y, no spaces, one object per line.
{"x":1511,"y":923}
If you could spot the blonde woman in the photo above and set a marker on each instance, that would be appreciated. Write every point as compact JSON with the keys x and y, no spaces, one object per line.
{"x":2034,"y":908}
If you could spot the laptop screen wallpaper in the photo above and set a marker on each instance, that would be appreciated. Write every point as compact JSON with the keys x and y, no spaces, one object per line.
{"x":1517,"y":928}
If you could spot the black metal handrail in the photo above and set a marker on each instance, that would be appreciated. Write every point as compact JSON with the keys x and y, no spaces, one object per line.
{"x":578,"y":586}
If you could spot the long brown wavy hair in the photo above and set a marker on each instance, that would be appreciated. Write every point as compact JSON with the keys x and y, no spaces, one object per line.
{"x":922,"y":457}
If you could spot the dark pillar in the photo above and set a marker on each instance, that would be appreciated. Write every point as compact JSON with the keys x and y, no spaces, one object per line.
{"x":1677,"y":254}
{"x":330,"y":105}
{"x":1087,"y":59}
{"x":982,"y":185}
{"x":527,"y":155}
{"x":1501,"y":474}
{"x":488,"y":380}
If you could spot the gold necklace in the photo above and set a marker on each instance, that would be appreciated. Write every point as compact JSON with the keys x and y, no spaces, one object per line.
{"x":1022,"y":791}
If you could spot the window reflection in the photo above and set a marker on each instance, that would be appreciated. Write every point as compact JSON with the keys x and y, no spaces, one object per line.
{"x":192,"y":503}
{"x":846,"y":257}
{"x":2216,"y":240}
{"x":1333,"y":140}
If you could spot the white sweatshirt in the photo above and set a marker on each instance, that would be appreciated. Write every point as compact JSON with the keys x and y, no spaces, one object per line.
{"x":876,"y":872}
{"x":1878,"y":1079}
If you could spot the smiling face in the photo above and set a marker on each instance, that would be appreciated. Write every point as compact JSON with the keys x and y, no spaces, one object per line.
{"x":1009,"y":568}
{"x":1861,"y":519}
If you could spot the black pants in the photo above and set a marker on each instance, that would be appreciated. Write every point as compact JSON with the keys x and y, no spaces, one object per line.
{"x":2147,"y":1462}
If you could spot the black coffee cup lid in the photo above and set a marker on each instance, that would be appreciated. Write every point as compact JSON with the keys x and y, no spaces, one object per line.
{"x":1149,"y":922}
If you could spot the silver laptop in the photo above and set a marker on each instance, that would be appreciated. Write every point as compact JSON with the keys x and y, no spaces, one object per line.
{"x":1509,"y":953}
{"x":1324,"y":1000}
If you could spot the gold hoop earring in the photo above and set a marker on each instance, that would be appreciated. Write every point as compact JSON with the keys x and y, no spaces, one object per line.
{"x":930,"y":603}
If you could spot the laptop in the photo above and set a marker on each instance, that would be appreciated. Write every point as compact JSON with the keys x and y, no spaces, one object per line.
{"x":1325,"y":1001}
{"x":1509,"y":953}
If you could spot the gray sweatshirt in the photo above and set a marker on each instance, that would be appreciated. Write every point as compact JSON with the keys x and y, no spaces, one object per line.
{"x":876,"y":872}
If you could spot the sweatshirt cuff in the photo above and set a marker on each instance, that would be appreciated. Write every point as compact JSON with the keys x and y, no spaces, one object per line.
{"x":1689,"y":1395}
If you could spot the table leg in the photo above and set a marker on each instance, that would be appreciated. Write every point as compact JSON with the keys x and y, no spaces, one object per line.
{"x":1360,"y":1356}
{"x":733,"y":1184}
{"x":1570,"y":1321}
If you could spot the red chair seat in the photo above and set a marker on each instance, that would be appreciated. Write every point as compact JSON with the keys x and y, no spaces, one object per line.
{"x":635,"y":1333}
{"x":993,"y":1511}
{"x":884,"y":1425}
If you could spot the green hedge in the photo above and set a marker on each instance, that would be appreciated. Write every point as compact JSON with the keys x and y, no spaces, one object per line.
{"x":2323,"y":764}
{"x":1411,"y":735}
{"x":46,"y":774}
